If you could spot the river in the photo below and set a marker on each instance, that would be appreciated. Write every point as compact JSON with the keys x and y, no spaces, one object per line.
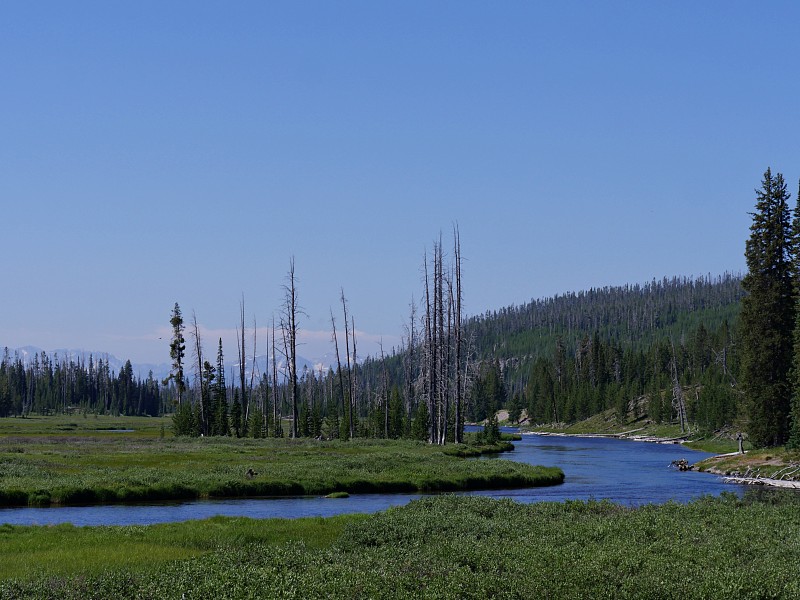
{"x":626,"y":472}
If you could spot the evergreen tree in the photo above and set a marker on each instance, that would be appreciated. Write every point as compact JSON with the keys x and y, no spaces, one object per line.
{"x":177,"y":350}
{"x":767,"y":315}
{"x":220,"y":400}
{"x":236,"y":415}
{"x":419,"y":428}
{"x":794,"y":435}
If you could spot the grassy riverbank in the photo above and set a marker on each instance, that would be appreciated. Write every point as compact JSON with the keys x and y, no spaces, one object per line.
{"x":768,"y":463}
{"x":442,"y":547}
{"x":64,"y":462}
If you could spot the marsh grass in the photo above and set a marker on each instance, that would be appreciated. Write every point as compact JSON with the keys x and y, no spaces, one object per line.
{"x":29,"y":552}
{"x":445,"y":547}
{"x":82,"y":467}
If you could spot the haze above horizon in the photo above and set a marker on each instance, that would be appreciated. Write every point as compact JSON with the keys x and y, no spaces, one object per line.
{"x":185,"y":152}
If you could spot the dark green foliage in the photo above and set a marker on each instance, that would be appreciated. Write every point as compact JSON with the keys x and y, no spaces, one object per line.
{"x":177,"y":350}
{"x":489,"y":392}
{"x":794,"y":374}
{"x":419,"y":427}
{"x":514,"y":409}
{"x":491,"y":431}
{"x":184,"y":421}
{"x":767,"y":316}
{"x":236,"y":415}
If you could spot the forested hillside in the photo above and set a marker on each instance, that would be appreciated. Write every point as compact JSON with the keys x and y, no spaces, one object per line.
{"x":632,"y":316}
{"x":571,"y":356}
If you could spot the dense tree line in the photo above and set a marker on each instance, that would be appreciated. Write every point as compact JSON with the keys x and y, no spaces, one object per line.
{"x":46,"y":384}
{"x":599,"y":375}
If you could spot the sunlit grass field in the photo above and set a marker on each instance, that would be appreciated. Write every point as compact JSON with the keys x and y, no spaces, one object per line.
{"x":88,"y":460}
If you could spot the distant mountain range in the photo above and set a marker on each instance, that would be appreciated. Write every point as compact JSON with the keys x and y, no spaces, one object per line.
{"x":160,"y":371}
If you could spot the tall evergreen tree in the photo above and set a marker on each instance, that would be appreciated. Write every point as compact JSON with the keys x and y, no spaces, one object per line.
{"x":794,"y":421}
{"x":177,"y":350}
{"x":767,"y":315}
{"x":221,"y":424}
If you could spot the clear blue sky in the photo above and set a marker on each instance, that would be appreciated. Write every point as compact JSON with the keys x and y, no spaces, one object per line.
{"x":154,"y":152}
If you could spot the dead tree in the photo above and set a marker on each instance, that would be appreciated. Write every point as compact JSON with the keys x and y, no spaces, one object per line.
{"x":457,"y":325}
{"x":338,"y":363}
{"x":240,"y":349}
{"x":678,"y":402}
{"x":349,"y":371}
{"x":198,"y":353}
{"x":291,"y":309}
{"x":276,"y":413}
{"x":385,"y":394}
{"x":354,"y":378}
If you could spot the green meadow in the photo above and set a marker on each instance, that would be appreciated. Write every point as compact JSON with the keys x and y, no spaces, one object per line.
{"x":59,"y":461}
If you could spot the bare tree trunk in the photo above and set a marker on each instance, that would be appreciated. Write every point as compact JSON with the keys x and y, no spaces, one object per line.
{"x":430,"y":379}
{"x":291,"y":318}
{"x":354,"y":378}
{"x":349,"y":371}
{"x":459,"y":431}
{"x":338,"y":363}
{"x":440,"y":343}
{"x":198,"y":352}
{"x":385,"y":395}
{"x":255,"y":366}
{"x":276,"y":414}
{"x":677,"y":394}
{"x":242,"y":362}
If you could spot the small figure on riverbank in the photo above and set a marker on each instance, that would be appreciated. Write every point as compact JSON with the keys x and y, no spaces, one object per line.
{"x":740,"y":440}
{"x":250,"y":474}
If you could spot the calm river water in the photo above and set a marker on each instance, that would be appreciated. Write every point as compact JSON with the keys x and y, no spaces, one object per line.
{"x":631,"y":473}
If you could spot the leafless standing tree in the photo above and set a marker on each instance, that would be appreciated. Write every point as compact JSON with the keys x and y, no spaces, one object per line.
{"x":276,"y":413}
{"x":338,"y":362}
{"x":240,"y":349}
{"x":290,"y":313}
{"x":198,"y":353}
{"x":349,"y":370}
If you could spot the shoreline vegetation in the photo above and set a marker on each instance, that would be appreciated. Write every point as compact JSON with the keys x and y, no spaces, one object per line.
{"x":54,"y":461}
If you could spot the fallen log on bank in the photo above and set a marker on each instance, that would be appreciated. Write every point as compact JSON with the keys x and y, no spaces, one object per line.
{"x":781,"y":483}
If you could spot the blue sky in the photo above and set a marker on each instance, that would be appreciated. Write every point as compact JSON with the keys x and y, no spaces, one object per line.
{"x":157,"y":152}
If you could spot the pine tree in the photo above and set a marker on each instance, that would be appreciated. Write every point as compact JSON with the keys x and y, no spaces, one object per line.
{"x":236,"y":415}
{"x":177,"y":350}
{"x":794,"y":434}
{"x":221,"y":424}
{"x":767,"y":315}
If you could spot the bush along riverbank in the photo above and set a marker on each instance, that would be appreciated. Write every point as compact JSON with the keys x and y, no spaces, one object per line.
{"x":62,"y":470}
{"x":439,"y":547}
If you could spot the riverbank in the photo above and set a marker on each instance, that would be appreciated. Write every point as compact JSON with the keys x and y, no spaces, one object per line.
{"x":77,"y":466}
{"x":641,"y":429}
{"x":443,"y":547}
{"x":773,"y":467}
